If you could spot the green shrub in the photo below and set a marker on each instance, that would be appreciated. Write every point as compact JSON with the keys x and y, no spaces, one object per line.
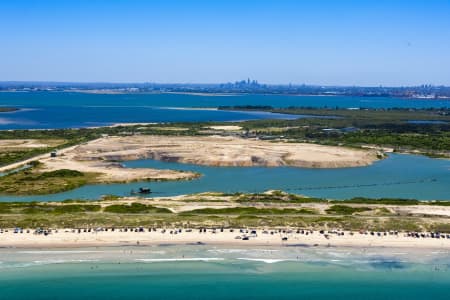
{"x":60,"y":174}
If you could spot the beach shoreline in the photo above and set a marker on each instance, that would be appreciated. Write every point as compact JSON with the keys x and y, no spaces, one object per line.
{"x":80,"y":238}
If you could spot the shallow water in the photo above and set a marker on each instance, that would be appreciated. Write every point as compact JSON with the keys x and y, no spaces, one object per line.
{"x":400,"y":176}
{"x":428,"y":122}
{"x":208,"y":272}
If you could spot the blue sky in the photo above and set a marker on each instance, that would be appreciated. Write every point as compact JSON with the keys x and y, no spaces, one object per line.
{"x":281,"y":41}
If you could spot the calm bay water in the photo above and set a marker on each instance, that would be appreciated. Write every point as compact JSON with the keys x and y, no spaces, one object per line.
{"x":223,"y":273}
{"x":62,"y":110}
{"x":180,"y":100}
{"x":56,"y":117}
{"x":402,"y":176}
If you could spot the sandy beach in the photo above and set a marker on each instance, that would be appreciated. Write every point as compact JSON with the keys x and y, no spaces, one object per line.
{"x":73,"y":238}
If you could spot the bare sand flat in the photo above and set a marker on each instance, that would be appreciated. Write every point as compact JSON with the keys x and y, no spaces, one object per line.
{"x":223,"y":151}
{"x":8,"y":144}
{"x":226,"y":127}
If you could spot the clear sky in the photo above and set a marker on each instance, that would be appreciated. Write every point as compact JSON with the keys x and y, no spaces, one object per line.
{"x":339,"y":42}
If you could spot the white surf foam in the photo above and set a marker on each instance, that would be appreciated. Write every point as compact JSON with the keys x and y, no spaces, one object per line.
{"x":231,"y":251}
{"x":265,"y":260}
{"x":203,"y":259}
{"x":58,"y":252}
{"x":44,"y":262}
{"x":62,"y":261}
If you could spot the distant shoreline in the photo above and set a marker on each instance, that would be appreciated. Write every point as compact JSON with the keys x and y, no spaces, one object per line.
{"x":8,"y":109}
{"x":223,"y":94}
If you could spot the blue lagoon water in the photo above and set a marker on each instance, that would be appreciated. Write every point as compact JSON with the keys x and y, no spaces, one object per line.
{"x":400,"y":176}
{"x":209,"y":272}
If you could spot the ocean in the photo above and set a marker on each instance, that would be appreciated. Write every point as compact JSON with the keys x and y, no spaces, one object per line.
{"x":213,"y":272}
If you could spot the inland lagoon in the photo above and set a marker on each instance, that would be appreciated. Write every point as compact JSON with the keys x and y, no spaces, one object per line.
{"x":398,"y":176}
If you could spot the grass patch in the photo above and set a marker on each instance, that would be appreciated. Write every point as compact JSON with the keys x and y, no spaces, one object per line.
{"x":63,"y":173}
{"x":31,"y":182}
{"x":35,"y":208}
{"x":345,"y":210}
{"x":440,"y":227}
{"x":135,"y":208}
{"x":276,"y":197}
{"x":250,"y":211}
{"x":438,"y":203}
{"x":380,"y":201}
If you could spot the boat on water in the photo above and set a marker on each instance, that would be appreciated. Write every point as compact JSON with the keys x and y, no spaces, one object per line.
{"x":142,"y":190}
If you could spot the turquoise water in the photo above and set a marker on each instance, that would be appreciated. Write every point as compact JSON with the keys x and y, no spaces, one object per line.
{"x":223,"y":273}
{"x":63,"y":110}
{"x":402,"y":176}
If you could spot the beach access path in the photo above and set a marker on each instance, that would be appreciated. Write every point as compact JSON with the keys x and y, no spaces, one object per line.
{"x":35,"y":158}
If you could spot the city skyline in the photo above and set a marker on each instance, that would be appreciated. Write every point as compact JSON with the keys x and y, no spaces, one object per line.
{"x":350,"y":43}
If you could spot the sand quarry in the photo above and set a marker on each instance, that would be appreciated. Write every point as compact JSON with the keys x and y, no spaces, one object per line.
{"x":102,"y":155}
{"x":222,"y":151}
